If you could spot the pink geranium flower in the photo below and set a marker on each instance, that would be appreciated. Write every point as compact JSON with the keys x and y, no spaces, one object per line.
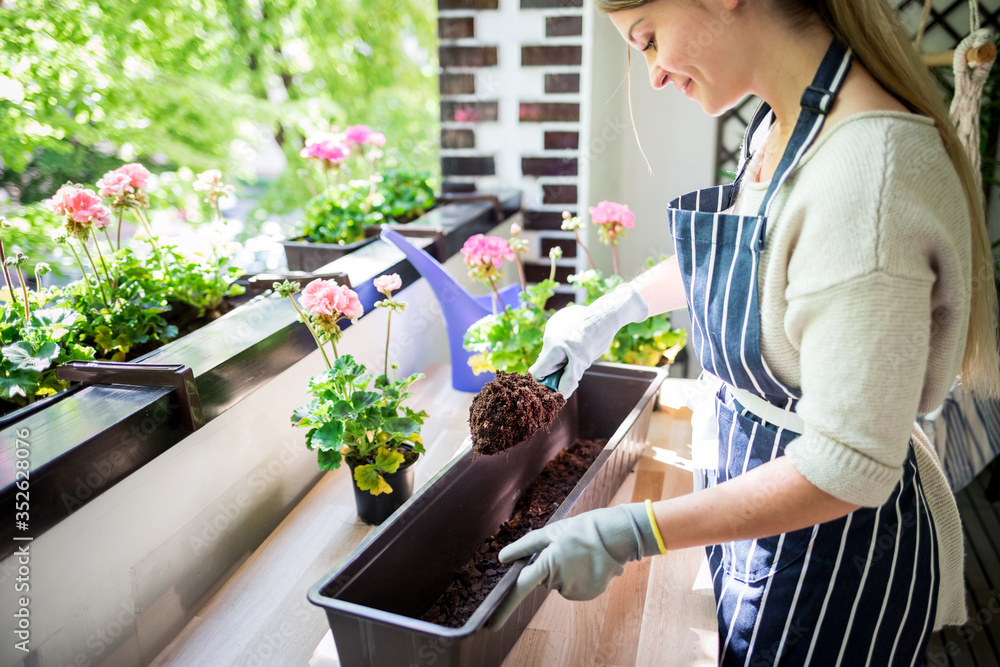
{"x":327,"y":147}
{"x":388,"y":283}
{"x":320,"y":297}
{"x":376,"y":139}
{"x":611,"y":213}
{"x":480,"y":250}
{"x":326,"y":297}
{"x":82,"y":208}
{"x":58,"y":201}
{"x":358,"y":134}
{"x":137,"y":174}
{"x":114,"y":184}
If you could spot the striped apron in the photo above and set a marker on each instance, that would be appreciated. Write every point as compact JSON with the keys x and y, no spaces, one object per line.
{"x":861,"y":590}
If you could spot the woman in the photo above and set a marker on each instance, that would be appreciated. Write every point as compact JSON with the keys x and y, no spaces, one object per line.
{"x":835,"y":291}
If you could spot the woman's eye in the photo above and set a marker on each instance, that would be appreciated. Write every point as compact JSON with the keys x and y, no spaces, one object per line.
{"x":651,"y":44}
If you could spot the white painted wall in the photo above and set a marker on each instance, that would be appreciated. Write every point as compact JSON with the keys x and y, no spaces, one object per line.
{"x":677,"y":136}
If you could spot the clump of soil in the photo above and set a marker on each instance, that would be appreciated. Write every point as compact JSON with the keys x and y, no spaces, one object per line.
{"x":508,"y":411}
{"x":471,"y":586}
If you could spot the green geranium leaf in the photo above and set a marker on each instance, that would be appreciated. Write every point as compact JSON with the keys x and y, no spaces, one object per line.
{"x":401,"y":426}
{"x":341,"y":409}
{"x":18,"y":386}
{"x":329,"y":459}
{"x":23,"y":356}
{"x":369,"y":479}
{"x":328,"y":436}
{"x":388,"y":461}
{"x":362,"y":399}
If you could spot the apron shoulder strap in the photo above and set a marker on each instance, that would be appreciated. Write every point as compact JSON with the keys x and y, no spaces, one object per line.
{"x":817,"y":100}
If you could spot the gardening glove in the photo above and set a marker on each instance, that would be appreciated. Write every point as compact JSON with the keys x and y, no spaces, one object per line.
{"x":576,"y":336}
{"x":580,"y":555}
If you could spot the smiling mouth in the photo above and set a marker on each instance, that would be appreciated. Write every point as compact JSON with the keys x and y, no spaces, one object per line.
{"x":685,"y":86}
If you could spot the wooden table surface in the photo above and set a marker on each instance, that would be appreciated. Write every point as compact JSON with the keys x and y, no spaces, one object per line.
{"x":660,"y":612}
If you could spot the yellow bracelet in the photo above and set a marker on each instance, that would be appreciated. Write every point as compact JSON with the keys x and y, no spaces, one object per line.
{"x":656,"y":529}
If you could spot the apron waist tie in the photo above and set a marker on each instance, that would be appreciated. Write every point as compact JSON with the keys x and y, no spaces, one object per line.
{"x":786,"y":419}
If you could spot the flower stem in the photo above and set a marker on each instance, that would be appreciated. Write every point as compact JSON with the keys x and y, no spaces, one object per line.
{"x":614,"y":257}
{"x":520,"y":272}
{"x":152,"y":239}
{"x":326,"y":176}
{"x":497,"y":294}
{"x":388,"y":328}
{"x":313,"y":332}
{"x":86,"y":279}
{"x":97,"y":273}
{"x":590,"y":259}
{"x":552,"y":269}
{"x":6,"y":275}
{"x":121,"y":215}
{"x":24,"y":289}
{"x":114,"y":278}
{"x":105,"y":264}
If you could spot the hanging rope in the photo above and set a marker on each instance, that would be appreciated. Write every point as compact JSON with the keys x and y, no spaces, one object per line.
{"x":970,"y":79}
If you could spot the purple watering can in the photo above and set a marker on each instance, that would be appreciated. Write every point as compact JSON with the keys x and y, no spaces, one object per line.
{"x":460,"y":309}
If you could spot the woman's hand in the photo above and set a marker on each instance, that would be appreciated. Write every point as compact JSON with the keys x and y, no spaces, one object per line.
{"x":579,"y":555}
{"x":576,"y":336}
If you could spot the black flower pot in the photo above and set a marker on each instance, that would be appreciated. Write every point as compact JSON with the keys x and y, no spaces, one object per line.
{"x":376,"y":509}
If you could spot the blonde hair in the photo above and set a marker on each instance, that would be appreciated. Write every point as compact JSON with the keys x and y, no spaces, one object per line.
{"x":880,"y":44}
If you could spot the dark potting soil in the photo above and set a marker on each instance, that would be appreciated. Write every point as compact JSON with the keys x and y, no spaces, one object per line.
{"x":508,"y":411}
{"x":471,"y":586}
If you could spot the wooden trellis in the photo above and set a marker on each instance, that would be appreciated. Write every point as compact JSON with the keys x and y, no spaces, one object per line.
{"x":946,"y":25}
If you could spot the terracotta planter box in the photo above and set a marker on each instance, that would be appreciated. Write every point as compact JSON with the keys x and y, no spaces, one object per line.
{"x":374,"y":599}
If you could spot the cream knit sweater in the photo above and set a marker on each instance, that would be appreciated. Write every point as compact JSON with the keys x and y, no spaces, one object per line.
{"x":864,"y":289}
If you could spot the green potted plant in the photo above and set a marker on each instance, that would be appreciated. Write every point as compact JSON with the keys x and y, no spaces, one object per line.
{"x":353,"y":416}
{"x":125,"y":304}
{"x":355,"y":196}
{"x":511,"y":340}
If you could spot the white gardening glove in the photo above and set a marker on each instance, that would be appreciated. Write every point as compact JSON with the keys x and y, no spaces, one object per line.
{"x":576,"y":336}
{"x":579,"y":556}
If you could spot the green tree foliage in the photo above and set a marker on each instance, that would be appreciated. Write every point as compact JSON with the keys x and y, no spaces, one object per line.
{"x":190,"y":82}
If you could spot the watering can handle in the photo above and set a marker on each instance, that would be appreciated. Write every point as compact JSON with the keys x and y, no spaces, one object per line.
{"x":552,"y":379}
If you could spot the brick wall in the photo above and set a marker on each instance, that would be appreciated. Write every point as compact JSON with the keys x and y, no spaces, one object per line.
{"x":512,"y":80}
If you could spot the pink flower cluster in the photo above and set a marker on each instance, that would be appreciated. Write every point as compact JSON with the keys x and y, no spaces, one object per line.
{"x":362,"y":134}
{"x":326,"y":297}
{"x":388,"y":284}
{"x":327,"y":147}
{"x":613,"y":219}
{"x":82,"y":208}
{"x":124,"y":185}
{"x":608,"y":212}
{"x":482,"y":250}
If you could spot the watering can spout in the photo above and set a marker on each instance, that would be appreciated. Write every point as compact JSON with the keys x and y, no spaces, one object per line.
{"x":460,"y":309}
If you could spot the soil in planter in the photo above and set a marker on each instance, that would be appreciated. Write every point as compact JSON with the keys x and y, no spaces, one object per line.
{"x":471,"y":586}
{"x":508,"y":411}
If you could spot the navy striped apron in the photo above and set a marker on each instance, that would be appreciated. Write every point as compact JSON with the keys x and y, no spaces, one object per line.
{"x":861,"y":590}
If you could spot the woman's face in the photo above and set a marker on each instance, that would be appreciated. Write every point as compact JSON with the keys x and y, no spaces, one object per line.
{"x":692,"y":44}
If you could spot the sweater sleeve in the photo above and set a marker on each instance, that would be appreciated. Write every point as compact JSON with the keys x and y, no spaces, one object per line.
{"x":864,"y":346}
